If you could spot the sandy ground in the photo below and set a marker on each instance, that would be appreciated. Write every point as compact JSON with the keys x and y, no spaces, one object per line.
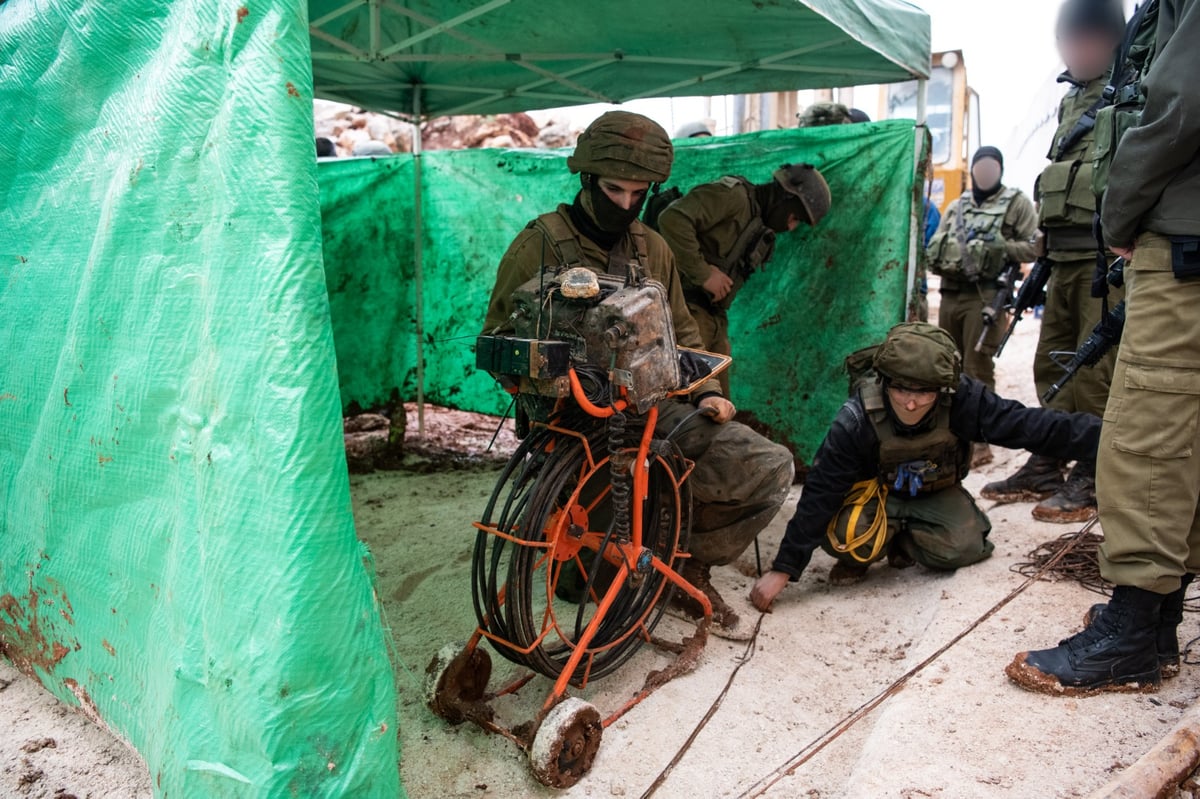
{"x":958,"y":729}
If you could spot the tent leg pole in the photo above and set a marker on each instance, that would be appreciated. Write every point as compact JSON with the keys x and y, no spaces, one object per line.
{"x":418,"y":260}
{"x":917,"y":226}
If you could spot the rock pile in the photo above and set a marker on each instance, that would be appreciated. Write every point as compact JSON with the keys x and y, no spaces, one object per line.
{"x":349,"y":127}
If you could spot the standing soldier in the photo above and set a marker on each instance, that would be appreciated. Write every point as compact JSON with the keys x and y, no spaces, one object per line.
{"x":722,"y":232}
{"x":741,"y":478}
{"x":1088,"y":33}
{"x":1148,"y":476}
{"x":981,"y":234}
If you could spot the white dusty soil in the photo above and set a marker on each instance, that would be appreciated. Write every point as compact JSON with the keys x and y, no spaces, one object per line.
{"x":958,"y":729}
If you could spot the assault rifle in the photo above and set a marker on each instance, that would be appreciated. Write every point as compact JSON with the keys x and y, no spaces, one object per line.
{"x":1033,"y":289}
{"x":1002,"y":300}
{"x":1105,"y":336}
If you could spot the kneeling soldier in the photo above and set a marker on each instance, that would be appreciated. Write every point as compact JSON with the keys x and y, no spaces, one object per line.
{"x":887,"y":481}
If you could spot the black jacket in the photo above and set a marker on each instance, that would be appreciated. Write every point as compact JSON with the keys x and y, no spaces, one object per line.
{"x":850,"y":453}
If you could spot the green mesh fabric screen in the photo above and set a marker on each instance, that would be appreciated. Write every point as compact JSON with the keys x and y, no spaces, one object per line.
{"x":829,"y":290}
{"x":177,"y":551}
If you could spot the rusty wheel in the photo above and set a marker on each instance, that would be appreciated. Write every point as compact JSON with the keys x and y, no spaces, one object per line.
{"x":456,"y":680}
{"x":566,"y":743}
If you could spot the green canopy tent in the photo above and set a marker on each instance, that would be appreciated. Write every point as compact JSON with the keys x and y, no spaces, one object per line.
{"x":424,"y":58}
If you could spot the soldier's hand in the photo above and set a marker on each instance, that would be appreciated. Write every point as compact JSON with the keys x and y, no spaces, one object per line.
{"x":718,"y":284}
{"x":722,"y":410}
{"x":1039,"y":244}
{"x":1123,"y":252}
{"x":767,"y":588}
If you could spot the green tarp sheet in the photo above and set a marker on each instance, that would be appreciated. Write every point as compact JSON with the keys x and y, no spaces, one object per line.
{"x":177,"y":551}
{"x":493,"y":56}
{"x":829,"y":290}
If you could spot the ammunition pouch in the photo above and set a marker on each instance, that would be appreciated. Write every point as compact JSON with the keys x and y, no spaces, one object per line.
{"x":1064,"y":193}
{"x":1111,"y":125}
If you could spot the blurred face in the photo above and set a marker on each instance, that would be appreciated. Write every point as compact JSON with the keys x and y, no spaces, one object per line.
{"x":910,"y":405}
{"x":986,"y":173}
{"x":625,"y":194}
{"x":1087,"y":54}
{"x":793,"y":222}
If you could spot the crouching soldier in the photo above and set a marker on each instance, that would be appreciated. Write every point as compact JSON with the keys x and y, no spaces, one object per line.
{"x":740,"y":479}
{"x":723,"y":232}
{"x":887,"y":481}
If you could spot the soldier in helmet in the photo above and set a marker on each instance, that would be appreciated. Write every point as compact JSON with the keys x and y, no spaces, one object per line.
{"x":826,"y":113}
{"x":981,"y":233}
{"x":722,"y":232}
{"x":1088,"y":33}
{"x":618,"y":158}
{"x":887,"y":480}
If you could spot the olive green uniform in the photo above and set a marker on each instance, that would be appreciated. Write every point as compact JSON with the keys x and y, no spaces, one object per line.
{"x":1148,"y":477}
{"x":741,"y":478}
{"x":1007,"y":218}
{"x":1066,"y":206}
{"x":703,"y":228}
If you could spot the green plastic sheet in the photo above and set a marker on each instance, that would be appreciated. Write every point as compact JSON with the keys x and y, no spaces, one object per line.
{"x":177,"y":551}
{"x":829,"y":290}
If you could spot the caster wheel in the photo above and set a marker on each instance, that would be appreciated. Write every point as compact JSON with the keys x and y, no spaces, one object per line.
{"x":456,"y":680}
{"x":566,"y":743}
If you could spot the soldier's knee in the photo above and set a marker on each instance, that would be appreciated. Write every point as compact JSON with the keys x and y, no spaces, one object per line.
{"x":947,"y":553}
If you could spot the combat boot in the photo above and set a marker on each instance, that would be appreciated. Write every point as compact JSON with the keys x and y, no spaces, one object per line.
{"x":725,"y":621}
{"x":1116,"y":652}
{"x":1075,"y":501}
{"x":1039,"y":478}
{"x":1169,"y":619}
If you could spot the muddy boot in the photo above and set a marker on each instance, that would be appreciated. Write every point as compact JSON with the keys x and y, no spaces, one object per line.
{"x":981,"y":455}
{"x":1039,"y":478}
{"x":847,"y":573}
{"x":1074,"y":502}
{"x":1168,"y":620}
{"x":725,"y":620}
{"x":1116,"y":652}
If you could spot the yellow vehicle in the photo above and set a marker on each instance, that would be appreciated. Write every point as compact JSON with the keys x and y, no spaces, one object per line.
{"x":952,"y":113}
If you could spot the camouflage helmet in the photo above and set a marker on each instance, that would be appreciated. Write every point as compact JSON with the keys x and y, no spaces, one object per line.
{"x":807,"y":184}
{"x":919,"y":355}
{"x":824,"y":113}
{"x":621,"y":144}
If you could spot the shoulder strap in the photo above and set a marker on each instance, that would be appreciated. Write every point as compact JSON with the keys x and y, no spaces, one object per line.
{"x":562,"y":239}
{"x":1083,"y":127}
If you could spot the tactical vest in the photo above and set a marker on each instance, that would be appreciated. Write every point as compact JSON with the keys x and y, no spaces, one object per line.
{"x":937,"y":454}
{"x":751,"y":251}
{"x":1124,"y":92}
{"x":564,"y":242}
{"x":971,"y":248}
{"x":1064,"y":189}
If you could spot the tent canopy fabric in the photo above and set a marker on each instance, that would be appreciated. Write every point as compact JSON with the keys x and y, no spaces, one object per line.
{"x":493,"y":56}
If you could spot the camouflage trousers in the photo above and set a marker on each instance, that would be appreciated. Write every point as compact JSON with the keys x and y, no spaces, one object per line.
{"x":740,"y":481}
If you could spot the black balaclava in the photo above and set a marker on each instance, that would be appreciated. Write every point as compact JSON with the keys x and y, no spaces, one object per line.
{"x":608,"y":216}
{"x":776,"y":204}
{"x":982,"y":193}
